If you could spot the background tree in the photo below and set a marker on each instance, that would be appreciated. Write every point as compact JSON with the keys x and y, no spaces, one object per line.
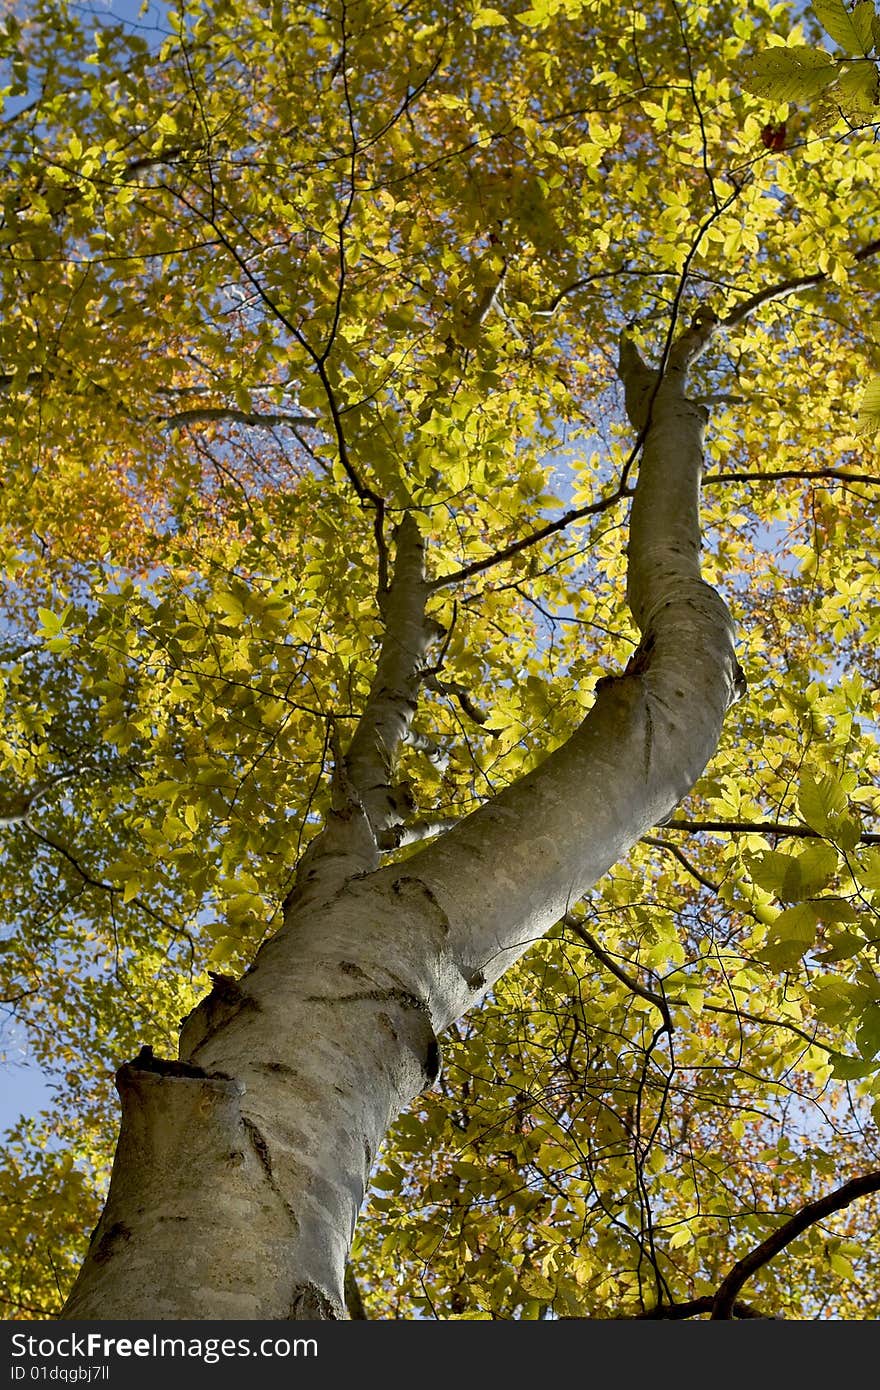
{"x":333,"y":338}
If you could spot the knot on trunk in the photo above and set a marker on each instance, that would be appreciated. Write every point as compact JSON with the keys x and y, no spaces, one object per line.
{"x":225,"y":1001}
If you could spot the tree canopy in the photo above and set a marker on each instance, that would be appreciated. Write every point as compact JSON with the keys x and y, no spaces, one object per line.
{"x":277,"y":276}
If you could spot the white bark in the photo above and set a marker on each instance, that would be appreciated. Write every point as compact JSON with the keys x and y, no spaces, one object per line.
{"x":395,"y":689}
{"x":365,"y":816}
{"x":240,"y":1174}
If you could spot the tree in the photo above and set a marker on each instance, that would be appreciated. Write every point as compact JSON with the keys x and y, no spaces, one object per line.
{"x":327,"y":729}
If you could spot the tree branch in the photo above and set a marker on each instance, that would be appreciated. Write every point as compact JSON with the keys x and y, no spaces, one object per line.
{"x":783,"y":288}
{"x":686,"y":353}
{"x":507,"y":552}
{"x":461,"y":694}
{"x":367,"y":814}
{"x":682,"y":859}
{"x":413,"y":832}
{"x":838,"y":475}
{"x":762,"y":1022}
{"x":503,"y":875}
{"x":757,"y":827}
{"x":611,"y":965}
{"x":695,"y":1307}
{"x":345,"y":845}
{"x":393,"y":698}
{"x":723,"y":1303}
{"x":210,"y":414}
{"x":61,"y":849}
{"x":662,"y":1002}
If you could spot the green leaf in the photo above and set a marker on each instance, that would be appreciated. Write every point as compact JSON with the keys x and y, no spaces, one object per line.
{"x":868,"y":420}
{"x":868,"y":870}
{"x":850,"y":1068}
{"x":835,"y":1000}
{"x":159,"y":791}
{"x":790,"y":936}
{"x":52,"y":623}
{"x":486,"y":18}
{"x":834,"y":910}
{"x":868,"y":1032}
{"x":848,"y":832}
{"x":536,"y":16}
{"x":864,"y":18}
{"x":794,"y":878}
{"x":817,"y":865}
{"x":228,"y":603}
{"x":536,"y":1285}
{"x":790,"y":74}
{"x":776,"y":872}
{"x":851,"y":30}
{"x":844,"y":946}
{"x":821,"y":800}
{"x":840,"y":1265}
{"x":859,"y":87}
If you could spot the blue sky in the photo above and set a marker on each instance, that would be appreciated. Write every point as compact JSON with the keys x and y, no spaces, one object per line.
{"x":23,"y":1090}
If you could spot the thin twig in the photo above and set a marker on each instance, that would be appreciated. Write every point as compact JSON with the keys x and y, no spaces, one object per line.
{"x":611,"y":965}
{"x":757,"y":827}
{"x":682,"y":859}
{"x":507,"y":552}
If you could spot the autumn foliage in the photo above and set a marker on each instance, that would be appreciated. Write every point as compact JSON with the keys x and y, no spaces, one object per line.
{"x":276,"y":274}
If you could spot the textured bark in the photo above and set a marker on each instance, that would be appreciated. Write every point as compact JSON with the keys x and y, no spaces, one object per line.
{"x":240,"y":1173}
{"x":365,"y":816}
{"x":395,"y":689}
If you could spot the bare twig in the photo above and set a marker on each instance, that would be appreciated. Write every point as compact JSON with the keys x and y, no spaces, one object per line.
{"x":460,"y":693}
{"x":507,"y":552}
{"x":757,"y":827}
{"x":611,"y":965}
{"x":682,"y":859}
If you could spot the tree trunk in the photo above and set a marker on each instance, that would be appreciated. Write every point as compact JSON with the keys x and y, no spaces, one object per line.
{"x":241,"y":1168}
